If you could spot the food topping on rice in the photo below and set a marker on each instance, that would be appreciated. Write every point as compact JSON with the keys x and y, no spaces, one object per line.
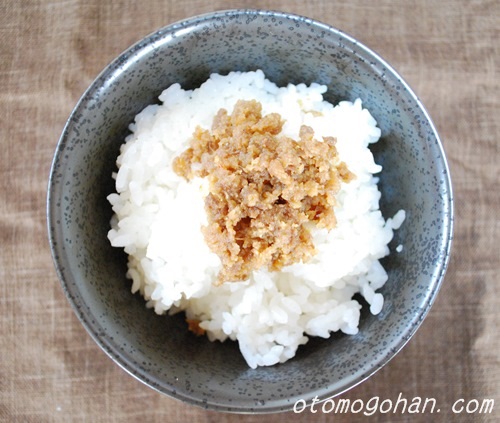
{"x":194,"y":327}
{"x":264,"y":189}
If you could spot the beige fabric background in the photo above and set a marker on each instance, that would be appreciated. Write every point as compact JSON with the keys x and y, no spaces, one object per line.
{"x":50,"y":51}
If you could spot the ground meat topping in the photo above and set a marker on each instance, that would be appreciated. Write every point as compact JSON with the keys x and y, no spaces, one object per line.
{"x":194,"y":327}
{"x":265,"y":189}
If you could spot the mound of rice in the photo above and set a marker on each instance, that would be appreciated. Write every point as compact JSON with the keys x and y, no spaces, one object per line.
{"x":158,"y":216}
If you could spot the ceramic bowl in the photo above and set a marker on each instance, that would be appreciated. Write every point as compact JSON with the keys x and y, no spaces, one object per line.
{"x":158,"y":350}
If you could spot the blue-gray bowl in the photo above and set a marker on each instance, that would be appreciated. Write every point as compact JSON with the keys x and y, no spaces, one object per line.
{"x":158,"y":350}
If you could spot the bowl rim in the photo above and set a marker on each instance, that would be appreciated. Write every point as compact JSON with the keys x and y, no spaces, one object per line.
{"x":148,"y":42}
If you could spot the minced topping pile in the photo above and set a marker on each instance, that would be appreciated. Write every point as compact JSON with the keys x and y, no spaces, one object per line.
{"x":265,"y":189}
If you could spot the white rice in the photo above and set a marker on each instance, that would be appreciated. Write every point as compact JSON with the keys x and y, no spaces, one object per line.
{"x":158,"y":216}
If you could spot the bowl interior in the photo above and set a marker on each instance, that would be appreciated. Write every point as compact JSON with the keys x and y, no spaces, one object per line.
{"x":158,"y":350}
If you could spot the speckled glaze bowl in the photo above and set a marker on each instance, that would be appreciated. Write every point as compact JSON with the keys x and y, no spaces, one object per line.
{"x":158,"y":350}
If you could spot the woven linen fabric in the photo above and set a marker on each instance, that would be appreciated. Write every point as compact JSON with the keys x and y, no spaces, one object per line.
{"x":50,"y":51}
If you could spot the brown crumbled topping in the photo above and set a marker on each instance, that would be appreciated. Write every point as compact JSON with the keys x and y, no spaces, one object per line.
{"x":194,"y":327}
{"x":264,"y":189}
